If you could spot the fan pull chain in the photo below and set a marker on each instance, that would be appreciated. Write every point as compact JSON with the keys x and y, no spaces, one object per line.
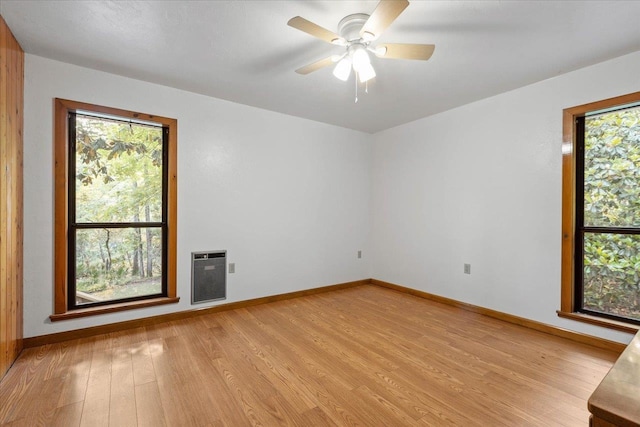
{"x":355,"y":80}
{"x":366,"y":86}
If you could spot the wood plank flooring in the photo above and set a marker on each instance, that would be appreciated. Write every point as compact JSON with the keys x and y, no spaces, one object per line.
{"x":364,"y":356}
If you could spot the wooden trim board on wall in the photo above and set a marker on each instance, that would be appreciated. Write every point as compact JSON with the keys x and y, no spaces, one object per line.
{"x":130,"y":324}
{"x":153,"y":320}
{"x":510,"y":318}
{"x":11,"y":196}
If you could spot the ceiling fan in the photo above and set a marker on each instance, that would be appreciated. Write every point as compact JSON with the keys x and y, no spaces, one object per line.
{"x":357,"y":33}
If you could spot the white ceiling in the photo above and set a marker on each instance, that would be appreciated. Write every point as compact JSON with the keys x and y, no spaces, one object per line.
{"x":243,"y":51}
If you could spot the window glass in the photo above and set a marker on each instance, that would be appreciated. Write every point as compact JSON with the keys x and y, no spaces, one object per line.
{"x":118,"y":168}
{"x":117,"y":199}
{"x":117,"y":263}
{"x":611,"y":274}
{"x":612,"y":169}
{"x":608,"y":260}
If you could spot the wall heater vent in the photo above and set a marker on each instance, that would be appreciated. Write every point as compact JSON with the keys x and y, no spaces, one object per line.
{"x":208,"y":276}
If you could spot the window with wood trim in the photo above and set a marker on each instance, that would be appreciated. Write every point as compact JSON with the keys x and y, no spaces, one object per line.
{"x":601,"y":213}
{"x":115,"y":209}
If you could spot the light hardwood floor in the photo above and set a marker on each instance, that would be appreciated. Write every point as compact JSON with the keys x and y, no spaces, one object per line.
{"x":360,"y":356}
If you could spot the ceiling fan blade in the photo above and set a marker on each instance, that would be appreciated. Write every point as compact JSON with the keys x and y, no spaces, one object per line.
{"x":405,"y":51}
{"x":384,"y":14}
{"x":315,"y":30}
{"x":316,"y":65}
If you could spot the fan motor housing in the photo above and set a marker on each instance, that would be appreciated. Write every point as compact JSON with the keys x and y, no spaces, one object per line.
{"x":349,"y":27}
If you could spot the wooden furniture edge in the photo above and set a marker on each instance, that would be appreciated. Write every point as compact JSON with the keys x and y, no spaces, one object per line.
{"x":615,"y":401}
{"x":179,"y":315}
{"x":510,"y":318}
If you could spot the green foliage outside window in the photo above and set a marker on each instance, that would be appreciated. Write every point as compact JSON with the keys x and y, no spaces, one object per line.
{"x":118,"y":180}
{"x":611,"y":264}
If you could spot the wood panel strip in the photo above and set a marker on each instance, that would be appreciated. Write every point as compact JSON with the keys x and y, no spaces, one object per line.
{"x":11,"y":187}
{"x":532,"y":324}
{"x":19,"y":300}
{"x":11,"y":182}
{"x":149,"y":407}
{"x":5,"y":142}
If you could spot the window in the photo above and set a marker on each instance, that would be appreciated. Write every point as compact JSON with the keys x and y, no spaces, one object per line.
{"x":115,"y":209}
{"x":601,"y":213}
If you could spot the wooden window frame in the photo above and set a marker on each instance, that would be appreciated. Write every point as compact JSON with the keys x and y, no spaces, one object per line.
{"x":568,"y":304}
{"x":62,"y":109}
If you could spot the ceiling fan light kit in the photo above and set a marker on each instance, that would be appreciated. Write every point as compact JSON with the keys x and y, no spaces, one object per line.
{"x":356,"y":32}
{"x":361,"y":62}
{"x":342,"y":71}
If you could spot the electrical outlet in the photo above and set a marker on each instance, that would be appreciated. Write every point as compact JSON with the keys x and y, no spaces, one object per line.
{"x":359,"y":254}
{"x":467,"y":269}
{"x":232,"y":267}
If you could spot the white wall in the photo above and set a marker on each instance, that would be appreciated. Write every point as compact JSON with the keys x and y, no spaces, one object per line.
{"x":481,"y":184}
{"x":293,"y":200}
{"x":288,"y":198}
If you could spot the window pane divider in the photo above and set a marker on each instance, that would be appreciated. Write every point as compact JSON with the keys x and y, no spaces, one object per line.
{"x":90,"y":225}
{"x":611,"y":230}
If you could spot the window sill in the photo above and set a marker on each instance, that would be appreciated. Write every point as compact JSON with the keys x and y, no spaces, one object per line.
{"x":93,"y":311}
{"x":599,"y":321}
